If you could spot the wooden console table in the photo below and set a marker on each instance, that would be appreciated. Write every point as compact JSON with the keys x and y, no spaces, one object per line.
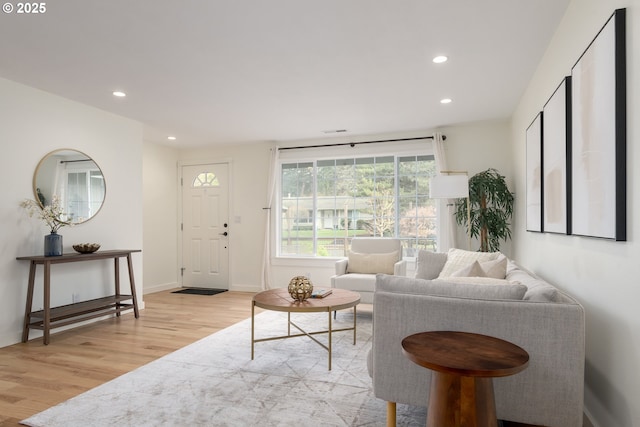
{"x":49,"y":317}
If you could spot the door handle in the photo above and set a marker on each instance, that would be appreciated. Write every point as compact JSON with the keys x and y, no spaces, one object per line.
{"x":223,"y":234}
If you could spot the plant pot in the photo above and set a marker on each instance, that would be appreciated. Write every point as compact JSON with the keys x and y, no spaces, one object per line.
{"x":53,"y":244}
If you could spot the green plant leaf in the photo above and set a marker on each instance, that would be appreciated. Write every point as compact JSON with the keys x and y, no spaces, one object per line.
{"x":491,"y":209}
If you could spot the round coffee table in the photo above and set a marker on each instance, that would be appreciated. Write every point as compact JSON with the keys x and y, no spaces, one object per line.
{"x":280,"y":300}
{"x":463,"y":366}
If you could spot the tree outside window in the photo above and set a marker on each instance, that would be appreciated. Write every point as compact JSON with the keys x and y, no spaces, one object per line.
{"x":325,"y":203}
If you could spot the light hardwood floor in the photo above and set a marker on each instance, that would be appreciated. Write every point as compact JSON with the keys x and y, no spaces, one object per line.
{"x":34,"y":377}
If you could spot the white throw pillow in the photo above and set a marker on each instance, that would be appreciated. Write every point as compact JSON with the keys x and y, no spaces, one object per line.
{"x":496,"y":268}
{"x":458,"y":259}
{"x":473,"y":270}
{"x":372,"y":263}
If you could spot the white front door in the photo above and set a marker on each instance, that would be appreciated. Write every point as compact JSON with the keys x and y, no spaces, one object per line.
{"x":205,"y":226}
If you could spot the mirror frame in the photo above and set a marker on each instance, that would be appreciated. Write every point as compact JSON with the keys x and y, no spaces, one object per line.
{"x":79,"y":153}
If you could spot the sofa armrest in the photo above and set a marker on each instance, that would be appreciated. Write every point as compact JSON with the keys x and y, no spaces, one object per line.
{"x":400,"y":268}
{"x":341,"y":266}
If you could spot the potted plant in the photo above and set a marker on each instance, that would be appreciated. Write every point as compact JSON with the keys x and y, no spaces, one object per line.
{"x":491,"y":208}
{"x":53,"y":216}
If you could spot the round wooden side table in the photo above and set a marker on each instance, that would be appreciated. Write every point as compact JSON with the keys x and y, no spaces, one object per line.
{"x":463,"y":366}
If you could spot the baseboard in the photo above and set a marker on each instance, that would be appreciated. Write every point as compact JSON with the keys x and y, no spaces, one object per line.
{"x":588,"y":419}
{"x":10,"y":338}
{"x":245,"y":288}
{"x":596,"y":414}
{"x":159,"y":288}
{"x":174,"y":285}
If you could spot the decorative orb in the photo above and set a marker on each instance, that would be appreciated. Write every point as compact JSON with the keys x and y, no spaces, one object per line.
{"x":300,"y":288}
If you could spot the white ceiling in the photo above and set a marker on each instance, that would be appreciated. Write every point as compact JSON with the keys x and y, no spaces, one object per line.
{"x":233,"y":71}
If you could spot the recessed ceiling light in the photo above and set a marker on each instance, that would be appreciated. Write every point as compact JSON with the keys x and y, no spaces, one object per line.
{"x":119,"y":94}
{"x":171,"y":138}
{"x":334,"y":131}
{"x":445,"y":101}
{"x":440,"y":59}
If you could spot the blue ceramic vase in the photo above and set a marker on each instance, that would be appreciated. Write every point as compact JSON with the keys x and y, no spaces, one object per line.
{"x":53,"y":244}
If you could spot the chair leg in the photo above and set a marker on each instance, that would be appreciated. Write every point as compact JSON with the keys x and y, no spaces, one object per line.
{"x":391,"y":414}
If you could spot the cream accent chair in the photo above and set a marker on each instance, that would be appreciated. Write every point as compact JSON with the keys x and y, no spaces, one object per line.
{"x":367,"y":257}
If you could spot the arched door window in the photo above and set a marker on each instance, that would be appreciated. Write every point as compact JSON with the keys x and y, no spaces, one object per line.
{"x":206,"y":179}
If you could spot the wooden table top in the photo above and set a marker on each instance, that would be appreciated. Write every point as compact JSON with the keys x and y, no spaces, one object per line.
{"x":465,"y":354}
{"x":75,"y":256}
{"x":280,"y":300}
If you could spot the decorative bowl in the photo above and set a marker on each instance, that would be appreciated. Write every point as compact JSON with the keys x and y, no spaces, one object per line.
{"x":86,"y":248}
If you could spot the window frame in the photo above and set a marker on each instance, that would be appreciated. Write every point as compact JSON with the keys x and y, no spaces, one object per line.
{"x":318,"y":154}
{"x":67,"y":190}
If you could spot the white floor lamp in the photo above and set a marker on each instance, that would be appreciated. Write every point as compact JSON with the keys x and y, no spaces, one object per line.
{"x":452,"y":185}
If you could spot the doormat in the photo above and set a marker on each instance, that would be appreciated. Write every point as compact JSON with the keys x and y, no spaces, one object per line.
{"x":199,"y":291}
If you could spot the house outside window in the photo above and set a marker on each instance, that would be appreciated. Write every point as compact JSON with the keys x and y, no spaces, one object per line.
{"x":325,"y":203}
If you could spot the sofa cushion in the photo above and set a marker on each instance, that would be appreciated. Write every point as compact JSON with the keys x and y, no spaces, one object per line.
{"x":542,"y":293}
{"x":470,"y":280}
{"x":538,"y":290}
{"x":372,"y":263}
{"x":459,"y":258}
{"x":449,"y":289}
{"x":429,"y":264}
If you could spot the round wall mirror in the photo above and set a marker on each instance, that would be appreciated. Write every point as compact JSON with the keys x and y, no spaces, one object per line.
{"x":75,"y":179}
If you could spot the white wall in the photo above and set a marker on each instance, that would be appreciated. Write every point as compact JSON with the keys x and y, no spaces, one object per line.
{"x":602,"y":274}
{"x":33,"y":123}
{"x":466,"y":147}
{"x":160,"y":234}
{"x":476,"y":147}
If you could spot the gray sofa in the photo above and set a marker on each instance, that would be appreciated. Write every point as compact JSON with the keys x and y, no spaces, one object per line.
{"x":522,"y":309}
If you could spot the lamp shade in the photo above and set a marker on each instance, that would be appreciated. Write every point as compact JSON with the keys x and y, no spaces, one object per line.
{"x":449,"y":186}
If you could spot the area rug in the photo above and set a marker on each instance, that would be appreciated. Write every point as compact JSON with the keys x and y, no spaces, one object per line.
{"x":214,"y":382}
{"x":199,"y":291}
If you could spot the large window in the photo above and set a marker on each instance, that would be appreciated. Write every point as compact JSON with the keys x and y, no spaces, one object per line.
{"x":83,"y":193}
{"x":324,"y":203}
